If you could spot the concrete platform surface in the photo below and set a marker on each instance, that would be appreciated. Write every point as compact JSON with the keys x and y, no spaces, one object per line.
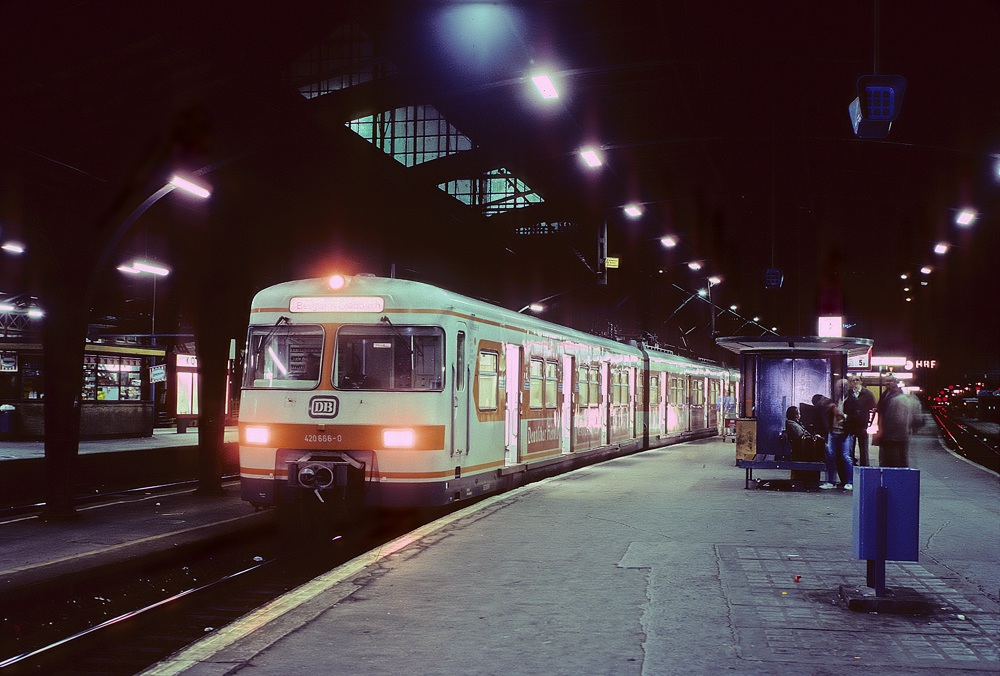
{"x":658,"y":563}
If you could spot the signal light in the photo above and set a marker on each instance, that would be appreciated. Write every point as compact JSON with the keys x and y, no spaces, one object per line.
{"x":337,"y":282}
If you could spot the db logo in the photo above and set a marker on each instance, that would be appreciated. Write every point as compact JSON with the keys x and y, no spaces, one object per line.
{"x":324,"y":407}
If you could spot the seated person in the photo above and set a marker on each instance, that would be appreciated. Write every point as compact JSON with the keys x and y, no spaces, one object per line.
{"x":805,"y":445}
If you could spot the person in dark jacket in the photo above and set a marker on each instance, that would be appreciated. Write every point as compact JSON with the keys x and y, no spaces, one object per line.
{"x":859,"y":425}
{"x":806,"y":446}
{"x":838,"y":456}
{"x":897,"y":418}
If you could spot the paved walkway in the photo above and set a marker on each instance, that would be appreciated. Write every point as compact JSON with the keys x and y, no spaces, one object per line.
{"x":658,"y":563}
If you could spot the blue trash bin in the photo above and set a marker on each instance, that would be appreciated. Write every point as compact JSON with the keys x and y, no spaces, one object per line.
{"x":902,"y":517}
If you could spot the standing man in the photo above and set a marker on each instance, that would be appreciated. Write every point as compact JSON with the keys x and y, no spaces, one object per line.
{"x":859,"y":426}
{"x":896,"y":418}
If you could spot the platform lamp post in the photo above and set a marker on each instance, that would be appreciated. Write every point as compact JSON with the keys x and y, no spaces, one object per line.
{"x":712,"y":281}
{"x":143,"y":267}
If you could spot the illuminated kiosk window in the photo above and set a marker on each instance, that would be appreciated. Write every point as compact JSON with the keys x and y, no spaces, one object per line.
{"x":345,"y":59}
{"x":411,"y":135}
{"x":496,"y":192}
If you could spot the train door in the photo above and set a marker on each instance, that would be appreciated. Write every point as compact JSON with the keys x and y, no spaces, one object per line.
{"x":606,"y":407}
{"x":714,"y":404}
{"x":460,"y":397}
{"x":568,"y":402}
{"x":696,"y":405}
{"x":513,"y":387}
{"x":655,"y":405}
{"x":634,"y":402}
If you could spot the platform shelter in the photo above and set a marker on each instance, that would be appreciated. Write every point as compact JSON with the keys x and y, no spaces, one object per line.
{"x":782,"y":371}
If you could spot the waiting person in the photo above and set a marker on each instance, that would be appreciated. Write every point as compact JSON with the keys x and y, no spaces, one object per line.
{"x":805,"y":445}
{"x":898,"y":416}
{"x":859,"y":426}
{"x":838,"y":457}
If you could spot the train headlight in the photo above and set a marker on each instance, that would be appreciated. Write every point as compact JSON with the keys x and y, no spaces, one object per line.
{"x":398,"y":438}
{"x":257,"y":435}
{"x":337,"y":282}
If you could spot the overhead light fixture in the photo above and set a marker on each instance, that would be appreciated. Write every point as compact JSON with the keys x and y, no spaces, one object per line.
{"x":591,"y":158}
{"x":669,"y":241}
{"x":13,"y":247}
{"x":189,"y":186}
{"x":633,"y":210}
{"x":714,"y":280}
{"x":941,"y":247}
{"x":694,"y":265}
{"x":965,"y":217}
{"x":905,"y":275}
{"x":926,"y":270}
{"x":545,"y":86}
{"x":143,"y":266}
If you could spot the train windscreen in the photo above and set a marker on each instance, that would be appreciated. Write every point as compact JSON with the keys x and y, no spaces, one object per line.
{"x":284,"y":356}
{"x":390,"y":357}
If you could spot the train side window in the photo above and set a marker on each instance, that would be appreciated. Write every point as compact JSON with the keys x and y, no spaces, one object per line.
{"x":583,"y":385}
{"x":488,"y":381}
{"x":654,"y":389}
{"x":620,"y":392}
{"x":595,"y":386}
{"x":536,"y":383}
{"x":460,"y":359}
{"x":551,"y":383}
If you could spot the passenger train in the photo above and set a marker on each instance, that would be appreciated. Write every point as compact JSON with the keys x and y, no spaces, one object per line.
{"x":371,"y":392}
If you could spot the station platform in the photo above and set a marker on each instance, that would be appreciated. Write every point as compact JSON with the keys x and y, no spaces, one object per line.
{"x":655,"y":563}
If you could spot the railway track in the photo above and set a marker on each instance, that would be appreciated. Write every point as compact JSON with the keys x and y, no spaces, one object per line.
{"x":967,"y":442}
{"x":121,"y":625}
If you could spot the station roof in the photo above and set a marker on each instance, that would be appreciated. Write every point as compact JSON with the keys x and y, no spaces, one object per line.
{"x":408,"y":136}
{"x":854,"y":347}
